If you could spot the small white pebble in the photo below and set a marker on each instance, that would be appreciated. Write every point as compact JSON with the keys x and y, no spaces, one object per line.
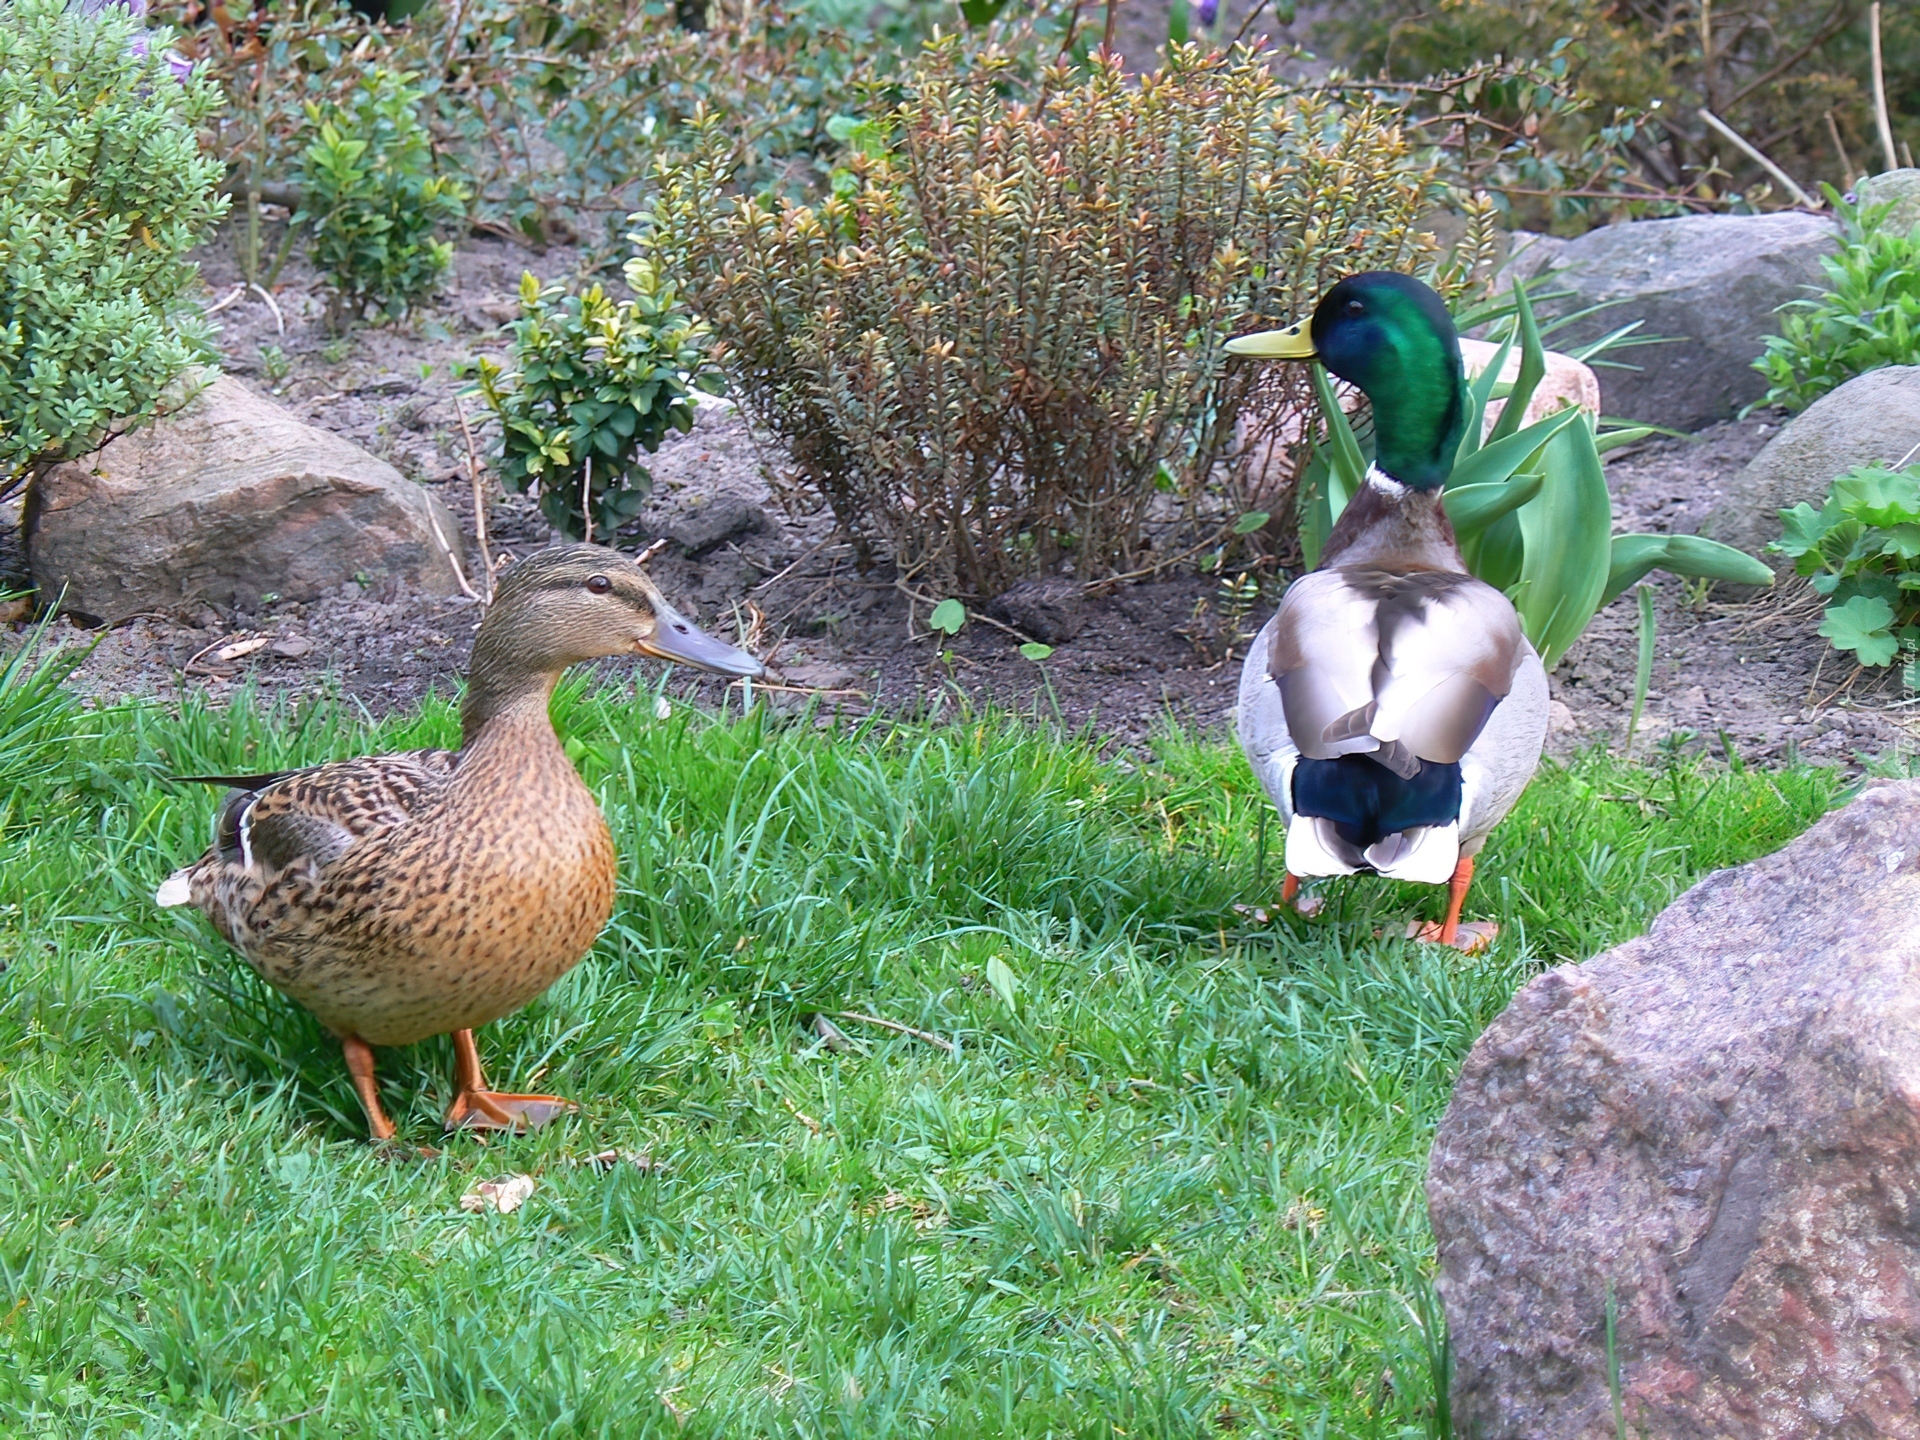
{"x":662,"y":708}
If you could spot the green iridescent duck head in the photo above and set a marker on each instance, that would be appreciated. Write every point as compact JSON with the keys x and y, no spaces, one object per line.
{"x":1391,"y":336}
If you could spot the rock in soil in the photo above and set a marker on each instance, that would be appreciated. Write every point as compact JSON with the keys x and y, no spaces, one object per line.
{"x":1051,"y":609}
{"x":1708,"y":286}
{"x":231,"y":500}
{"x":1721,"y":1121}
{"x":1873,"y":418}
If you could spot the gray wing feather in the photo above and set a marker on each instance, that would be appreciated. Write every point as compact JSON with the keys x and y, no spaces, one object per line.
{"x":1403,"y":665}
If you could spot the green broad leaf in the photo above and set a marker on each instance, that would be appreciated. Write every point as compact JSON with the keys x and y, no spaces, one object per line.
{"x":1567,"y":531}
{"x":1004,"y":982}
{"x":1250,"y":522}
{"x":1901,"y":541}
{"x":1492,"y":464}
{"x":981,"y":13}
{"x":1346,"y":465}
{"x":1801,"y":530}
{"x":1177,"y":23}
{"x":1863,"y":625}
{"x":1879,"y":497}
{"x":1472,"y":508}
{"x":948,"y":616}
{"x":1533,"y":368}
{"x":1634,"y":557}
{"x":1035,"y":651}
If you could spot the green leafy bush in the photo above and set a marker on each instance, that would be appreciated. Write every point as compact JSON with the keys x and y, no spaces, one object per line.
{"x":103,"y":191}
{"x":1868,"y":316}
{"x":371,"y":202}
{"x":1861,"y":549}
{"x":594,"y":384}
{"x":997,"y":345}
{"x":1529,"y":506}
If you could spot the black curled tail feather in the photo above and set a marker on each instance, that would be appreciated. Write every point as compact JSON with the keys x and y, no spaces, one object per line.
{"x":1367,"y":801}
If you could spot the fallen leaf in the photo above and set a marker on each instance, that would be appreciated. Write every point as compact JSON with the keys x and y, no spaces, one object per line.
{"x":16,"y":610}
{"x":505,"y":1196}
{"x":240,"y":647}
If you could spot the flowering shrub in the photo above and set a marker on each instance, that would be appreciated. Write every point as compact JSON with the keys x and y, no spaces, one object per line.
{"x":103,"y":191}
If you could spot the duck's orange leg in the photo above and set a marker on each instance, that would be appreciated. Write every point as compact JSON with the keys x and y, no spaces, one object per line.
{"x":1289,"y":888}
{"x":360,"y":1067}
{"x":1447,"y":932}
{"x":476,"y":1107}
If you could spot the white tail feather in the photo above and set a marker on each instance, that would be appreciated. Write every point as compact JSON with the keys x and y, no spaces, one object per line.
{"x":178,"y":890}
{"x":1426,"y":853}
{"x":1308,"y":853}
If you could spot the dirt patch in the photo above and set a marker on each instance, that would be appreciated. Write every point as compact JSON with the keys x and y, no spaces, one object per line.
{"x":1753,"y":679}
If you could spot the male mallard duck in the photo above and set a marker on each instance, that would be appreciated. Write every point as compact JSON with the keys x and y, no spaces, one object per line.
{"x":402,"y":896}
{"x":1393,"y":708}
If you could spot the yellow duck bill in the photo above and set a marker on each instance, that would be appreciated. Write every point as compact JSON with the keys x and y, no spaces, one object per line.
{"x":677,"y":639}
{"x":1292,"y":343}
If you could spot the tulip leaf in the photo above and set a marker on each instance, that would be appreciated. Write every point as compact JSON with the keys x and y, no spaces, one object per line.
{"x":1478,"y":393}
{"x":1533,"y":368}
{"x":1501,"y":458}
{"x":1634,"y":557}
{"x":1472,"y":508}
{"x":1346,"y":465}
{"x":1567,"y":531}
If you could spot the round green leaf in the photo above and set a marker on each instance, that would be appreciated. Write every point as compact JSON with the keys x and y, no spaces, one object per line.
{"x":1034,"y":650}
{"x":1250,"y":522}
{"x":948,"y":616}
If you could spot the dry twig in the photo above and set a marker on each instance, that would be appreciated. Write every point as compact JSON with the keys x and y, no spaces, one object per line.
{"x":898,"y":1028}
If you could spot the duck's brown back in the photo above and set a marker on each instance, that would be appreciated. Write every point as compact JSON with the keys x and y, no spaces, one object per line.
{"x":491,"y":887}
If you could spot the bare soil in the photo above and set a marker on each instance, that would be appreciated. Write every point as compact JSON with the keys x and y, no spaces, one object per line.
{"x":1749,"y":677}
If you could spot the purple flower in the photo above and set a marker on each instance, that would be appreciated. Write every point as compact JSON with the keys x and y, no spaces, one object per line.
{"x":1206,"y":12}
{"x":179,"y":66}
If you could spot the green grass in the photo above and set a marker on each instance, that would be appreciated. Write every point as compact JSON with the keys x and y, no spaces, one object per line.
{"x":1175,"y":1190}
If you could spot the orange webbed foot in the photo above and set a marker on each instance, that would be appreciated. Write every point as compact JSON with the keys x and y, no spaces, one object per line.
{"x":492,"y":1110}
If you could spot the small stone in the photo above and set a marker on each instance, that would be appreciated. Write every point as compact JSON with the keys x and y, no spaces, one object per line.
{"x":697,"y":527}
{"x":1052,"y":608}
{"x":293,"y":646}
{"x":1560,"y":719}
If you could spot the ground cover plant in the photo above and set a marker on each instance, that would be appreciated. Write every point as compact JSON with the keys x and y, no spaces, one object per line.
{"x":1867,"y":316}
{"x":1166,"y":1182}
{"x":1861,"y":550}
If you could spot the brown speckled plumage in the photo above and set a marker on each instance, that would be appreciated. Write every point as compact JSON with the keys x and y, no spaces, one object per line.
{"x":402,"y":896}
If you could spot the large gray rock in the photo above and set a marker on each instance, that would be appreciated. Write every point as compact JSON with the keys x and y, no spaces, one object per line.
{"x":1873,"y":418}
{"x":1709,"y":285}
{"x":1899,"y":189}
{"x":230,"y":499}
{"x":1721,"y":1120}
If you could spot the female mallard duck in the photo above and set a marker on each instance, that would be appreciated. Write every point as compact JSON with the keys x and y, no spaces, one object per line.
{"x":1393,"y":708}
{"x":403,"y":896}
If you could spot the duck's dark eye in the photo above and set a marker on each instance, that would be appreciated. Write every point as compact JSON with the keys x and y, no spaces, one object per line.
{"x":1355,"y":308}
{"x":599,"y":584}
